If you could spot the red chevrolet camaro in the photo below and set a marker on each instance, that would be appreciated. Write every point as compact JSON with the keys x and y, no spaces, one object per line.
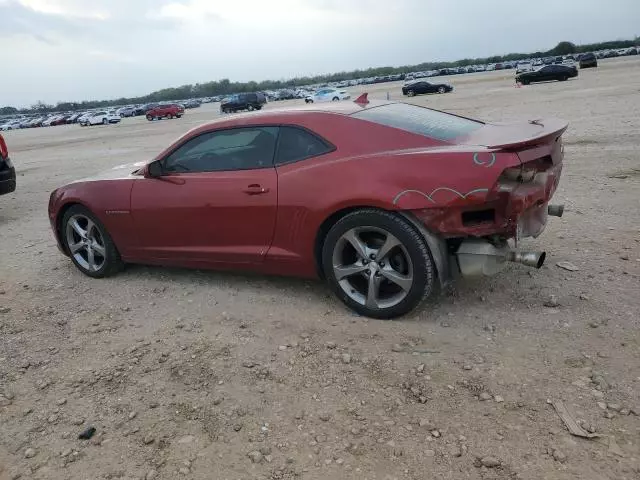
{"x":383,"y":200}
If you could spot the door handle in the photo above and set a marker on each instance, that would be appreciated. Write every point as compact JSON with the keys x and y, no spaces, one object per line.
{"x":255,"y":189}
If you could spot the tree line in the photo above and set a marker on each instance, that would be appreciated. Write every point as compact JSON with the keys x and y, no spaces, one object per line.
{"x":225,"y":86}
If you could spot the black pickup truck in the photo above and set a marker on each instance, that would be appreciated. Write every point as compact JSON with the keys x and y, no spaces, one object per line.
{"x":7,"y":172}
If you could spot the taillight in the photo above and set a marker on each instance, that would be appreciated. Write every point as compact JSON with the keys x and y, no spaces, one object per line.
{"x":4,"y":152}
{"x":527,"y":172}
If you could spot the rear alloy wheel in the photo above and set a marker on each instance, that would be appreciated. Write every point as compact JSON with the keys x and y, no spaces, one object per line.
{"x":105,"y":121}
{"x":170,"y":116}
{"x":411,"y":93}
{"x":378,"y":264}
{"x":149,"y":117}
{"x":88,"y":243}
{"x":250,"y":108}
{"x":441,"y":90}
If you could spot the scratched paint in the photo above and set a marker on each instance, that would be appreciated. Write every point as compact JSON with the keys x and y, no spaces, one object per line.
{"x":430,"y":195}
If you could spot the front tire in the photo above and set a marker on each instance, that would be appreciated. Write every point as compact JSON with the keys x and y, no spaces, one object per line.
{"x":105,"y":121}
{"x":378,"y":264}
{"x":411,"y":93}
{"x":441,"y":90}
{"x":170,"y":116}
{"x":149,"y":117}
{"x":250,"y":108}
{"x":89,"y":244}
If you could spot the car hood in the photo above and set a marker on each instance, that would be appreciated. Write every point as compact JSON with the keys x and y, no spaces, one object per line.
{"x":119,"y":172}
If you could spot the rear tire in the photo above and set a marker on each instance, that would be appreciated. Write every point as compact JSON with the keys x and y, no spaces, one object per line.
{"x":441,"y":90}
{"x":411,"y":93}
{"x":149,"y":117}
{"x":405,"y":272}
{"x":170,"y":116}
{"x":106,"y":263}
{"x":105,"y":121}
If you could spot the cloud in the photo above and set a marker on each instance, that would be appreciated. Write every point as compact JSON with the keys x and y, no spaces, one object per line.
{"x":65,"y":8}
{"x":112,"y":48}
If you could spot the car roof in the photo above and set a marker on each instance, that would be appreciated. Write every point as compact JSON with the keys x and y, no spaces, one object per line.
{"x":272,"y":114}
{"x":281,"y":115}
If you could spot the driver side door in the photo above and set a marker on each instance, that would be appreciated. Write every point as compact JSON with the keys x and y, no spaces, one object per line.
{"x":215,"y":202}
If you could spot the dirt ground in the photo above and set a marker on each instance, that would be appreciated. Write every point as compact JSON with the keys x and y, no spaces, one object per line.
{"x":206,"y":375}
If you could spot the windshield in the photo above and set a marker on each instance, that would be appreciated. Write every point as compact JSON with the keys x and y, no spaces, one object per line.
{"x":423,"y":121}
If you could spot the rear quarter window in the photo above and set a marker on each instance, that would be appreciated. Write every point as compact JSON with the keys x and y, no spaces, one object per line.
{"x":422,"y":121}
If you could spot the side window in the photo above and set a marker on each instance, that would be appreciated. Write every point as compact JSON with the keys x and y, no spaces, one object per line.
{"x":234,"y":149}
{"x":297,"y":144}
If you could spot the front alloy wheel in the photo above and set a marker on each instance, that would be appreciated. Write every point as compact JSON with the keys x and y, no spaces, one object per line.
{"x":377,"y":263}
{"x":88,"y":243}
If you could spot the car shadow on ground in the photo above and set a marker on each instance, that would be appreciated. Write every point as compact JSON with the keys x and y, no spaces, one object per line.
{"x":468,"y":294}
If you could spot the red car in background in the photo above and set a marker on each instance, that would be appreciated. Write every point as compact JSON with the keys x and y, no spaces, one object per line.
{"x":165,"y":111}
{"x":7,"y":171}
{"x":383,"y":200}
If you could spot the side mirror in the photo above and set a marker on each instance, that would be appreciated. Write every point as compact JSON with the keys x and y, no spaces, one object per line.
{"x":154,"y":170}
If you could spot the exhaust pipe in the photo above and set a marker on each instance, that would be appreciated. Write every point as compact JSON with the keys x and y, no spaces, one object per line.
{"x":555,"y":210}
{"x":530,"y":259}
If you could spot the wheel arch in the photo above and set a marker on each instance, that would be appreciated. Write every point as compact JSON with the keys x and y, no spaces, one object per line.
{"x":437,"y":245}
{"x":58,"y":221}
{"x":324,"y":228}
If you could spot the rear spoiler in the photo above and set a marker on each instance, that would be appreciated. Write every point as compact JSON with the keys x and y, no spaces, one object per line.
{"x":505,"y":137}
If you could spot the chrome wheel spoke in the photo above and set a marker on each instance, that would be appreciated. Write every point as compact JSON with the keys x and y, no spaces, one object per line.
{"x":78,"y":229}
{"x":403,"y":281}
{"x":343,"y":271}
{"x":373,"y":291}
{"x":84,"y":240}
{"x":354,"y":240}
{"x":372,"y":267}
{"x":90,"y":227}
{"x":389,"y":244}
{"x":99,"y":249}
{"x":91,"y":259}
{"x":76,"y":247}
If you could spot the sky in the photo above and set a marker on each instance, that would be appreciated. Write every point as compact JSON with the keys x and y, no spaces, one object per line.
{"x":72,"y":50}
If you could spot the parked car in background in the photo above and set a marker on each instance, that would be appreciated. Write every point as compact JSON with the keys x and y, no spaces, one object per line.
{"x":74,"y":118}
{"x":101,"y":117}
{"x":523,"y":67}
{"x":588,"y":60}
{"x":547,"y":73}
{"x":243,"y":101}
{"x":7,"y":171}
{"x":192,"y":103}
{"x":327,"y":95}
{"x":418,"y":87}
{"x":126,"y":112}
{"x":171,"y":110}
{"x":143,"y":109}
{"x":10,"y":125}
